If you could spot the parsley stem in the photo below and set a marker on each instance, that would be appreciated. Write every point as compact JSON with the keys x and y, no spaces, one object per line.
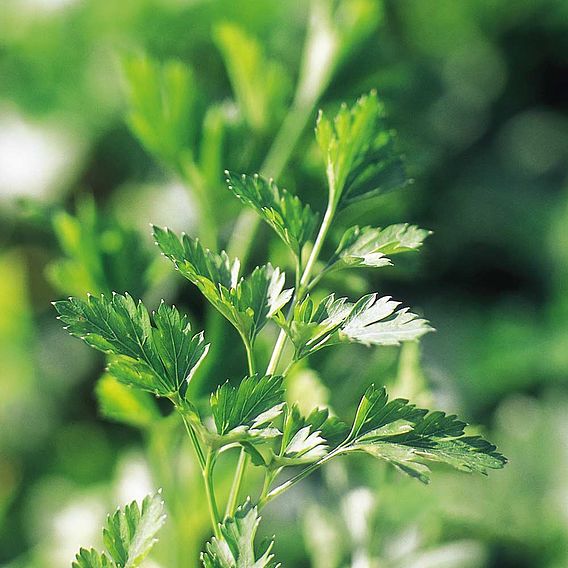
{"x":306,"y":275}
{"x":210,"y":493}
{"x":194,"y":440}
{"x":237,"y":482}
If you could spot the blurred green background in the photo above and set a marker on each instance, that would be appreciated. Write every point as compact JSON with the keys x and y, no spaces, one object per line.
{"x":478,"y":92}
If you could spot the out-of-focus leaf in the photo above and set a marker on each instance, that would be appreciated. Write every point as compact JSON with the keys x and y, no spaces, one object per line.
{"x":247,"y":303}
{"x":260,"y":84}
{"x":292,"y":221}
{"x":160,"y":358}
{"x":100,"y":255}
{"x":125,"y":404}
{"x":359,"y":155}
{"x":162,"y":107}
{"x":247,"y":411}
{"x":237,"y":549}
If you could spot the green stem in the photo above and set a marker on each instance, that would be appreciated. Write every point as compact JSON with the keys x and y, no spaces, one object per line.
{"x":210,"y":493}
{"x":293,"y":480}
{"x":237,"y":482}
{"x":194,"y":439}
{"x":243,"y":456}
{"x":302,"y":288}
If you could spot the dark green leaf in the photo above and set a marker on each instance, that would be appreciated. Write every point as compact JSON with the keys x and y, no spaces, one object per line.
{"x":247,"y":303}
{"x":406,"y":436}
{"x":160,"y":358}
{"x":292,"y":221}
{"x":237,"y":549}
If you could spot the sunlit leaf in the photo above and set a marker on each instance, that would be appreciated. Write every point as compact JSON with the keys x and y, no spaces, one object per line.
{"x":371,"y":321}
{"x":92,"y":559}
{"x":370,"y":246}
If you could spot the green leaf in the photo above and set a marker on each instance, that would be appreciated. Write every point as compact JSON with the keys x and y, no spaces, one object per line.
{"x":247,"y":303}
{"x":377,"y":321}
{"x":122,"y":403}
{"x":371,"y":321}
{"x":130,"y":533}
{"x":292,"y":221}
{"x":99,"y":254}
{"x":369,"y":246}
{"x":246,"y":412}
{"x":359,"y":156}
{"x":92,"y":559}
{"x":307,"y":439}
{"x":405,"y":436}
{"x":260,"y":85}
{"x":160,"y":358}
{"x":237,"y":549}
{"x":162,"y":101}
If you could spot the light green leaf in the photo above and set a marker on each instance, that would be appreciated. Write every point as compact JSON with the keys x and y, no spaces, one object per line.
{"x":371,"y":321}
{"x":369,"y":246}
{"x":260,"y":85}
{"x":247,"y":303}
{"x":130,"y":533}
{"x":307,"y":439}
{"x":162,"y":106}
{"x":237,"y":549}
{"x":160,"y":358}
{"x":92,"y":559}
{"x":125,"y":404}
{"x":292,"y":221}
{"x":359,"y":156}
{"x":377,"y":321}
{"x":246,"y":412}
{"x":405,"y":436}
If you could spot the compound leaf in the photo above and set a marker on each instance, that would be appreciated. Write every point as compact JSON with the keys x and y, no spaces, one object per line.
{"x":359,"y":156}
{"x":236,"y":549}
{"x":247,"y":303}
{"x":130,"y":533}
{"x":246,"y":412}
{"x":160,"y":358}
{"x":292,"y":221}
{"x":371,"y":321}
{"x":405,"y":436}
{"x":377,"y":321}
{"x":370,"y":246}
